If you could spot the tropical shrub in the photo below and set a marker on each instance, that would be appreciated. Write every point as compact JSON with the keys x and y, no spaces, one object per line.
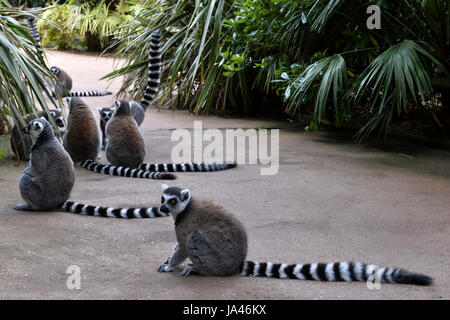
{"x":22,"y":73}
{"x":85,"y":25}
{"x":307,"y":57}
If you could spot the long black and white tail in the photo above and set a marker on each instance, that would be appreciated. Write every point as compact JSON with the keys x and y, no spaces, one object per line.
{"x":338,"y":271}
{"x":154,"y":69}
{"x":123,"y":213}
{"x":90,"y":93}
{"x":125,"y":172}
{"x":35,"y":34}
{"x":186,"y":167}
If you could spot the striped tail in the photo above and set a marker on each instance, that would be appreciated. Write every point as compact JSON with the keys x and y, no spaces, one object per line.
{"x":35,"y":34}
{"x":91,"y":93}
{"x":123,"y":213}
{"x":154,"y":69}
{"x":186,"y":167}
{"x":338,"y":271}
{"x":125,"y":172}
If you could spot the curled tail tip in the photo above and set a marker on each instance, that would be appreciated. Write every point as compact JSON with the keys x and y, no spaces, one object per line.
{"x":230,"y":165}
{"x":406,"y":277}
{"x":168,"y":176}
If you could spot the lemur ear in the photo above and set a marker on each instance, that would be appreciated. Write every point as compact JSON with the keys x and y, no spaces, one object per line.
{"x":99,"y":109}
{"x":185,"y":194}
{"x":43,"y":118}
{"x":164,"y":187}
{"x":117,"y":103}
{"x":68,"y":100}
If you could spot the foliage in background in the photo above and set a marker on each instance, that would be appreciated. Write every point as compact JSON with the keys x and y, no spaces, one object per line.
{"x":85,"y":24}
{"x":310,"y":57}
{"x":22,"y":86}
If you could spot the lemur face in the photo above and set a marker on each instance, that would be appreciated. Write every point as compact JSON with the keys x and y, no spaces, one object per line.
{"x":58,"y":118}
{"x":55,"y":70}
{"x":35,"y":127}
{"x":105,"y":114}
{"x":174,"y":200}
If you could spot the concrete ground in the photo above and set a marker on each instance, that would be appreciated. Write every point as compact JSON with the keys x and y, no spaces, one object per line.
{"x":332,"y":200}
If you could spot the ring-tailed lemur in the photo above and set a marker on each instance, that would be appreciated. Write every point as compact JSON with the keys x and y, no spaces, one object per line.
{"x":82,"y":142}
{"x":154,"y":73}
{"x":21,"y":145}
{"x":64,"y":86}
{"x":125,"y":148}
{"x":216,"y":244}
{"x":48,"y":181}
{"x":125,"y":145}
{"x":81,"y":139}
{"x":105,"y":115}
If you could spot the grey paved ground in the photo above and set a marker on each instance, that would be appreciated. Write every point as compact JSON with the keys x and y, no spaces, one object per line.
{"x":331,"y":200}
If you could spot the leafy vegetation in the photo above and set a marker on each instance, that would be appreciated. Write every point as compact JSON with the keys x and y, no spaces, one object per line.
{"x":85,"y":25}
{"x":306,"y":57}
{"x":22,"y":85}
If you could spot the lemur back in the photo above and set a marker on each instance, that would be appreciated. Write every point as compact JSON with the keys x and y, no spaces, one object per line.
{"x":64,"y":85}
{"x":216,"y":244}
{"x":81,"y":139}
{"x":48,"y":181}
{"x":125,"y":145}
{"x":46,"y":184}
{"x":20,"y":144}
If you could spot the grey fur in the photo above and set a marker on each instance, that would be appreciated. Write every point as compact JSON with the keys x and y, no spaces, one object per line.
{"x":216,"y":244}
{"x":214,"y":241}
{"x":81,"y":139}
{"x":21,"y":145}
{"x":137,"y":112}
{"x":49,"y":179}
{"x":64,"y":84}
{"x":125,"y":145}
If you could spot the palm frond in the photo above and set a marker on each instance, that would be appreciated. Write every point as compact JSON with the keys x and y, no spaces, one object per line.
{"x":332,"y":73}
{"x":22,"y":74}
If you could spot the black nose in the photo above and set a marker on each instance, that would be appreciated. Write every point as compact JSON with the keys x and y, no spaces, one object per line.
{"x":164,"y":209}
{"x":59,"y":123}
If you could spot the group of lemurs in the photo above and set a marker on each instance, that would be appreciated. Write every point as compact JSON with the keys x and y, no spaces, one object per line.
{"x":214,"y":241}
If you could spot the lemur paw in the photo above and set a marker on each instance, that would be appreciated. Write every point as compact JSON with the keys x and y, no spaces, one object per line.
{"x":188,"y":271}
{"x":22,"y":207}
{"x":167,"y":260}
{"x":164,"y":268}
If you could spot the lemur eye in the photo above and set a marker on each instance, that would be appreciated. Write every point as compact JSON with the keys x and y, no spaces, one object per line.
{"x":162,"y":199}
{"x":173,"y":202}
